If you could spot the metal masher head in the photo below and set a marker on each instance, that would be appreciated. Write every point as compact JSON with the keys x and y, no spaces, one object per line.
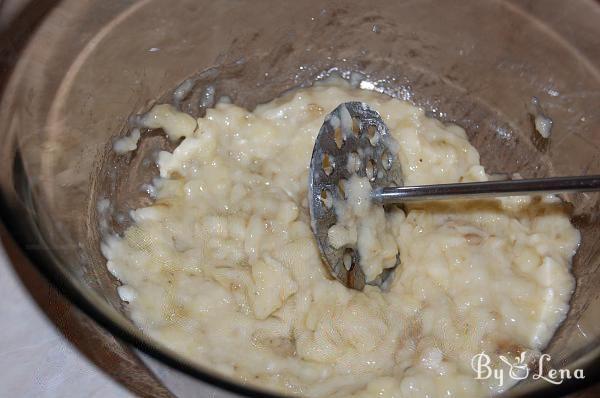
{"x":353,"y":140}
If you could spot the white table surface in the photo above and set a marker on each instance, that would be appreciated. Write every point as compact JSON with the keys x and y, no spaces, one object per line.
{"x":36,"y":360}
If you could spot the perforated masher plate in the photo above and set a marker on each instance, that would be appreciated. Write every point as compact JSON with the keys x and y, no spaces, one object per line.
{"x":353,"y":140}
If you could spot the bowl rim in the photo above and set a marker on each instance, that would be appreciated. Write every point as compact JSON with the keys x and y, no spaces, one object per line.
{"x":18,"y":224}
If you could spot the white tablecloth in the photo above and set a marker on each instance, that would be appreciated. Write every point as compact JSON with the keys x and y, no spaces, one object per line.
{"x":36,"y":360}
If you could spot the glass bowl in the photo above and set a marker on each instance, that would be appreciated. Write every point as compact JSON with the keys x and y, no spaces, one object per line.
{"x":75,"y":72}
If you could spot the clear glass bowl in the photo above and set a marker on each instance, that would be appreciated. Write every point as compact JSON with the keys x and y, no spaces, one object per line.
{"x":82,"y":68}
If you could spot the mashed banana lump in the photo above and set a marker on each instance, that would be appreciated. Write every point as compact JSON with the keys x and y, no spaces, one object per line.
{"x":224,"y":269}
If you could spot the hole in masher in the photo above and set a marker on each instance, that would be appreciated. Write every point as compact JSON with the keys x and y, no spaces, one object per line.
{"x":372,"y":134}
{"x":326,"y":198}
{"x":342,"y":188}
{"x":328,"y":164}
{"x":371,"y":170}
{"x":356,"y":127}
{"x":348,"y":259}
{"x":338,"y":137}
{"x":386,"y":160}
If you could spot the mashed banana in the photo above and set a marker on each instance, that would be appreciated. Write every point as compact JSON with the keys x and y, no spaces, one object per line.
{"x":224,"y":269}
{"x":364,"y":225}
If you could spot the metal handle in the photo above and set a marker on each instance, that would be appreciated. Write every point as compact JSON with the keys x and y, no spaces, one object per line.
{"x":486,"y":189}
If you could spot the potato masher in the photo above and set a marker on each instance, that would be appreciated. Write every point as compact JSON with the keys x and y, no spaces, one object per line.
{"x":354,"y":140}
